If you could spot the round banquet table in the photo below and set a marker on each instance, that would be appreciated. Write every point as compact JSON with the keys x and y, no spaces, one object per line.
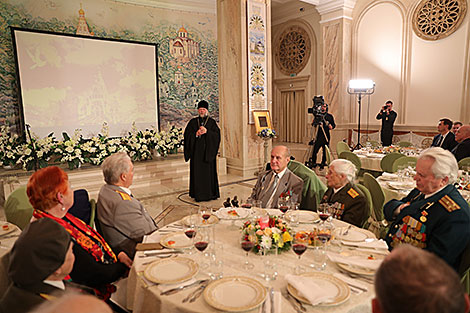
{"x":8,"y":236}
{"x":144,"y":296}
{"x":370,"y":161}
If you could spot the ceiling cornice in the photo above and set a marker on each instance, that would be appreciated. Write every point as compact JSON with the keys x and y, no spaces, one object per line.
{"x":201,"y":6}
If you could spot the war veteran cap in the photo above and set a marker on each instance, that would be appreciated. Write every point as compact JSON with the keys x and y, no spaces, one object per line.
{"x":203,"y":104}
{"x":38,"y":252}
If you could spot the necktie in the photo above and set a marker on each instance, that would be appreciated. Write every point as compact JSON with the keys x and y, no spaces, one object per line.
{"x":272,"y":190}
{"x":439,"y":142}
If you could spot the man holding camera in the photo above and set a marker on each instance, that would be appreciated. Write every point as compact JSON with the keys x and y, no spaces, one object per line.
{"x":324,"y":123}
{"x":388,"y":116}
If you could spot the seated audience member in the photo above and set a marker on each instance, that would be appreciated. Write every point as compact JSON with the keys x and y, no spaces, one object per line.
{"x":96,"y":265}
{"x":39,"y":261}
{"x":462,"y":150}
{"x":278,"y":180}
{"x":122,"y":218}
{"x":411,"y":280}
{"x":74,"y":303}
{"x":352,"y":204}
{"x":456,"y":126}
{"x":433,"y":216}
{"x":445,"y":139}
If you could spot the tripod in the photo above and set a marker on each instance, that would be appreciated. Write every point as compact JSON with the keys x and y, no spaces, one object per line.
{"x":358,"y":145}
{"x":310,"y":163}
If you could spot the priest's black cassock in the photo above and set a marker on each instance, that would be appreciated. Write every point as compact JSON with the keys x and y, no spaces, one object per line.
{"x":202,"y":153}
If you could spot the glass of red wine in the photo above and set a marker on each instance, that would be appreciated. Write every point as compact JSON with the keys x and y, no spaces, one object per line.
{"x":190,"y":232}
{"x":324,"y":212}
{"x":205,"y":213}
{"x":299,"y":246}
{"x":247,"y":241}
{"x":201,"y":242}
{"x":283,"y":205}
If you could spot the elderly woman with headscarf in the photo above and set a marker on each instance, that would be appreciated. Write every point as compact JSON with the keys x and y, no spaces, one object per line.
{"x":96,"y":265}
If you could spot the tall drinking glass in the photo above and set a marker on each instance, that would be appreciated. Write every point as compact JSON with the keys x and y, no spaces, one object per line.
{"x":247,"y":241}
{"x":299,"y":246}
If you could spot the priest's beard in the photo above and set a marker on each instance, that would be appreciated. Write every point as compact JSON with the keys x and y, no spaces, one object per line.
{"x":204,"y":115}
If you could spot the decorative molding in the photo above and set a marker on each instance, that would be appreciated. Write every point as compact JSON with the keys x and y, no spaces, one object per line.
{"x":325,"y":7}
{"x":201,"y":6}
{"x":434,"y":19}
{"x":292,"y":51}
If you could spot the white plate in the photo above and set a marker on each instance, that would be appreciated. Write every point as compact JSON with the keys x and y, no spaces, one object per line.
{"x":199,"y":221}
{"x":181,"y":241}
{"x":5,"y":231}
{"x":171,"y":271}
{"x":360,"y":255}
{"x":389,"y":177}
{"x":338,"y":289}
{"x":232,"y":213}
{"x":304,"y":216}
{"x":401,"y":185}
{"x":235,"y":294}
{"x":354,"y":234}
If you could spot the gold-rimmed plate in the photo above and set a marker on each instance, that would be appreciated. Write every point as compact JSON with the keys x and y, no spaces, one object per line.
{"x":233,"y":213}
{"x":363,"y":257}
{"x":354,"y":234}
{"x":305,"y":217}
{"x":337,"y":288}
{"x":176,"y":240}
{"x":199,"y":221}
{"x":235,"y":294}
{"x":171,"y":271}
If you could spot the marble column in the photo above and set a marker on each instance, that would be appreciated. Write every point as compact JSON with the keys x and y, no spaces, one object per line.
{"x":336,"y":22}
{"x":240,"y":146}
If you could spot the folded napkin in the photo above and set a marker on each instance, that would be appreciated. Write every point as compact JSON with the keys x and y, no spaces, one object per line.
{"x":389,"y":176}
{"x":266,"y":307}
{"x":374,"y":244}
{"x":352,"y":282}
{"x":308,"y":289}
{"x":354,"y":260}
{"x":165,"y":287}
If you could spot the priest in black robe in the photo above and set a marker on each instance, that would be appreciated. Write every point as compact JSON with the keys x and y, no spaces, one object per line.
{"x":201,"y":144}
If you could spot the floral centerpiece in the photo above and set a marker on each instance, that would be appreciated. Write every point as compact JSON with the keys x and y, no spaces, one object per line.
{"x":69,"y":149}
{"x":267,"y":133}
{"x":392,"y":149}
{"x":270,"y":232}
{"x":44,"y":148}
{"x":9,"y":153}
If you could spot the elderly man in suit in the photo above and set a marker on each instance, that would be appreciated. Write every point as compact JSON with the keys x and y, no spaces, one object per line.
{"x":123,"y":219}
{"x":278,"y":180}
{"x":445,"y":139}
{"x":462,"y":150}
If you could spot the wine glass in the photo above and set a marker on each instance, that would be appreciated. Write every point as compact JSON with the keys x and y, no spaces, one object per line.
{"x":190,"y":232}
{"x":205,"y":213}
{"x":247,"y":242}
{"x":283,"y":206}
{"x":299,"y":246}
{"x":201,"y":241}
{"x":324,"y":212}
{"x":324,"y":234}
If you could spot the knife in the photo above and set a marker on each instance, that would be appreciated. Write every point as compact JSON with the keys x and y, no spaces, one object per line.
{"x":271,"y":298}
{"x":160,"y":252}
{"x":175,"y":290}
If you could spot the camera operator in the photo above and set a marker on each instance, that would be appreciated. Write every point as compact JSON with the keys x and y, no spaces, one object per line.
{"x":388,"y":116}
{"x":325,"y":123}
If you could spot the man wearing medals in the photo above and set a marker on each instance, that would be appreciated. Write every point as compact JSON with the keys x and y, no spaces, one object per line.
{"x":434,"y":216}
{"x":352,"y":206}
{"x":201,"y":145}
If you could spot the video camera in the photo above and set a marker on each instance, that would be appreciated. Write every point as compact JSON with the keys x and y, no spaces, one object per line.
{"x":316,"y":110}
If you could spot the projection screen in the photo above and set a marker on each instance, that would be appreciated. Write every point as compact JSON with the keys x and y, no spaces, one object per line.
{"x":70,"y":82}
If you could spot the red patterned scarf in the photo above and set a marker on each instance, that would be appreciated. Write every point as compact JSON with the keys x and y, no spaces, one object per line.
{"x":83,"y":235}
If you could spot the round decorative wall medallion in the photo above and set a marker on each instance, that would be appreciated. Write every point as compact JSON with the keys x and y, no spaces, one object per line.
{"x":292,"y":51}
{"x":437,"y":19}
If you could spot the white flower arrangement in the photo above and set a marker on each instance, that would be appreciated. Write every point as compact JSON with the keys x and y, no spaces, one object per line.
{"x":9,"y":141}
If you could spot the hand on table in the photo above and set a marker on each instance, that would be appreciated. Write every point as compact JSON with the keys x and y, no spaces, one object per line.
{"x":123,"y":258}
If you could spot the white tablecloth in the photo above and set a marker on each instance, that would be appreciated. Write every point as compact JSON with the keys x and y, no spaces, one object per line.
{"x":8,"y":237}
{"x":370,"y":161}
{"x":143,"y":298}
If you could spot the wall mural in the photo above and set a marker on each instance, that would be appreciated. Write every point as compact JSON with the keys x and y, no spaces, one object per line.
{"x":187,"y":48}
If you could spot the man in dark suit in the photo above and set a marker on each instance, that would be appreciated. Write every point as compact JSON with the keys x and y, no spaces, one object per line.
{"x":388,"y":117}
{"x":278,"y":180}
{"x":462,"y":150}
{"x":326,"y":124}
{"x":352,"y":204}
{"x":445,"y":139}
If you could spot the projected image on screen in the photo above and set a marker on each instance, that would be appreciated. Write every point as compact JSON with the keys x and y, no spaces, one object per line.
{"x":69,"y":82}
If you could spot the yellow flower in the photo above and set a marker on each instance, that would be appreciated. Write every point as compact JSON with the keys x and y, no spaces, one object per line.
{"x":286,"y":237}
{"x":268,"y":231}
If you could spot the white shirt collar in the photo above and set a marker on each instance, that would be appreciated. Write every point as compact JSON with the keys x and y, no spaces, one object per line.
{"x":56,"y":283}
{"x":280,"y":174}
{"x":126,"y":190}
{"x":335,"y":190}
{"x":432,"y":194}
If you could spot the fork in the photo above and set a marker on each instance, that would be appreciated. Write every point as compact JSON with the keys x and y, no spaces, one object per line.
{"x":196,"y":294}
{"x":347,"y":230}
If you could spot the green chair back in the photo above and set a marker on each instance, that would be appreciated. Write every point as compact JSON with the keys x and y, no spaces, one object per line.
{"x":341,"y":146}
{"x":405,"y":144}
{"x":387,"y":161}
{"x":18,"y":209}
{"x":329,"y":156}
{"x":465,"y":162}
{"x":348,"y":155}
{"x":366,"y":193}
{"x":313,"y":188}
{"x":404,"y":161}
{"x":377,"y":194}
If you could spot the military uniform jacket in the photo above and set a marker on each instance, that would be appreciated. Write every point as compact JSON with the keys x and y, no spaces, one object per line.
{"x":440,"y":223}
{"x":122,"y":217}
{"x":288,"y":182}
{"x":354,"y":207}
{"x":19,"y":300}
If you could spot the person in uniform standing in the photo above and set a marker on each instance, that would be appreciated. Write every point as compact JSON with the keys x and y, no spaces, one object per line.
{"x":388,"y":116}
{"x":434,"y":216}
{"x":201,"y":145}
{"x":351,"y":204}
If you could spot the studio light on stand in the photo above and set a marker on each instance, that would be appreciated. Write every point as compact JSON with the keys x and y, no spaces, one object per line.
{"x":360,"y":87}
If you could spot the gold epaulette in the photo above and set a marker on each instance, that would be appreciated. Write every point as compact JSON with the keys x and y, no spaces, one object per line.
{"x":449,"y":204}
{"x":124,"y":195}
{"x":47,"y":297}
{"x":353,"y":193}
